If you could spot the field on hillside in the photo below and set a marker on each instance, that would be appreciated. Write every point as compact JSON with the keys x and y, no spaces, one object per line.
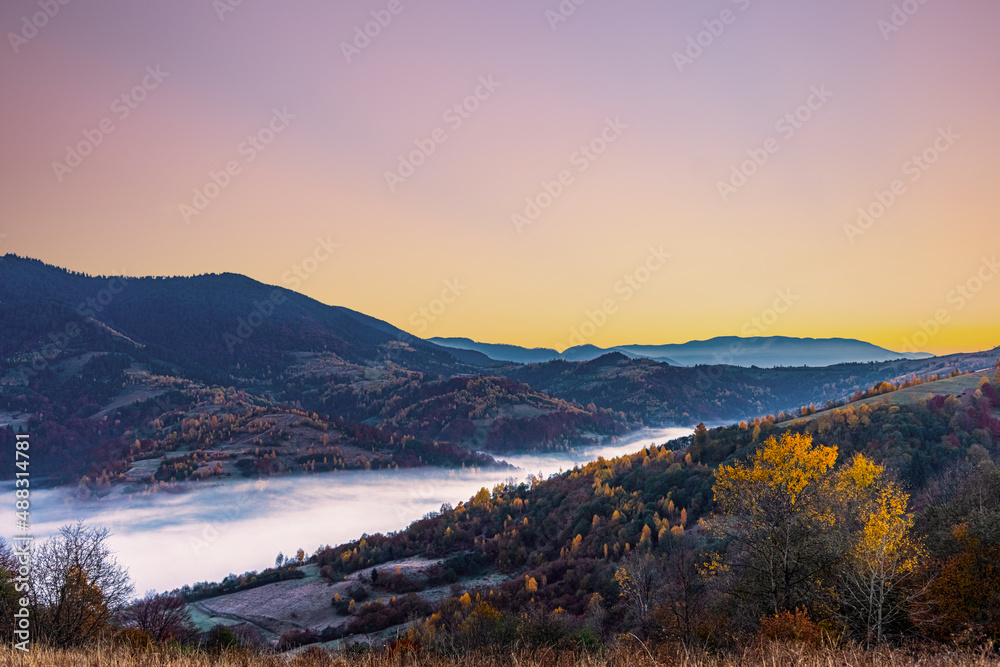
{"x":305,"y":604}
{"x":954,"y":386}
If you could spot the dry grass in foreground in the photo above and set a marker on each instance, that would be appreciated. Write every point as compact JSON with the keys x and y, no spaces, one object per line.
{"x":635,"y":656}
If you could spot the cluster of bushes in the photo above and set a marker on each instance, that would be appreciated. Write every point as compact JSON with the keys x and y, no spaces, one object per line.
{"x":396,"y":582}
{"x":463,"y":564}
{"x":473,"y":623}
{"x":344,"y":604}
{"x":234,"y":583}
{"x":366,"y":618}
{"x":375,"y":616}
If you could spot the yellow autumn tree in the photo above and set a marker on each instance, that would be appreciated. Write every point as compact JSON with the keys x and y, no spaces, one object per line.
{"x":776,"y":512}
{"x":882,"y":553}
{"x":802,"y":534}
{"x":645,"y":539}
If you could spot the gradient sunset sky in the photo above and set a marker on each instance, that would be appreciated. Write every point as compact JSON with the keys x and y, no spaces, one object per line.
{"x":882,"y":92}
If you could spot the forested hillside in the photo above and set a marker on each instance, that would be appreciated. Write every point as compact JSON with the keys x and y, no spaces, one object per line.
{"x":665,"y":542}
{"x":660,"y":393}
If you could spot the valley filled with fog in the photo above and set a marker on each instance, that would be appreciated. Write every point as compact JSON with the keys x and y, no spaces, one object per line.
{"x":171,"y":539}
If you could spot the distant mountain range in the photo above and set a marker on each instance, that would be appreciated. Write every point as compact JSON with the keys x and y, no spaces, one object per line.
{"x":766,"y":352}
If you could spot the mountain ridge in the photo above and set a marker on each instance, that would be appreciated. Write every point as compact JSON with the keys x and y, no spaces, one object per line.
{"x":168,"y":313}
{"x":761,"y":351}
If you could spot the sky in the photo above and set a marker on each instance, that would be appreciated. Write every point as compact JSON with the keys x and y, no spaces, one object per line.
{"x":539,"y":173}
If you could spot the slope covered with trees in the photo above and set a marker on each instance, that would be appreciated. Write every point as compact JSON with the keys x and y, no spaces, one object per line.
{"x":818,"y":531}
{"x":659,"y":393}
{"x":879,"y":500}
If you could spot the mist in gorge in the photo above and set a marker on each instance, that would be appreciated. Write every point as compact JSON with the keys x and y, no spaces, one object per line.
{"x":169,"y":539}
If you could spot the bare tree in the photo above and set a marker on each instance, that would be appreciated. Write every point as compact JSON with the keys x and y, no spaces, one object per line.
{"x":78,"y":585}
{"x":163,"y":617}
{"x":8,"y":593}
{"x":683,"y":593}
{"x":7,"y":559}
{"x":639,"y":579}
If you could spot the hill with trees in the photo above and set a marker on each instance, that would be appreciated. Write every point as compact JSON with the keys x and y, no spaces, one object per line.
{"x":660,"y":393}
{"x":868,"y":523}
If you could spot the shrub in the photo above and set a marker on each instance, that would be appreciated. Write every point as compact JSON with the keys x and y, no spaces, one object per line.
{"x":467,"y":564}
{"x":133,"y":639}
{"x":344,"y":604}
{"x":553,"y":630}
{"x":483,"y":628}
{"x":295,"y":638}
{"x":376,"y":616}
{"x":437,"y":575}
{"x":249,"y":636}
{"x":220,"y":638}
{"x":789,"y":627}
{"x":356,"y":650}
{"x":358,"y":592}
{"x":397,"y":582}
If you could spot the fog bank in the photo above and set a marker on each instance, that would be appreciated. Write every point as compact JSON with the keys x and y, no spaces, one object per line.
{"x":168,"y":540}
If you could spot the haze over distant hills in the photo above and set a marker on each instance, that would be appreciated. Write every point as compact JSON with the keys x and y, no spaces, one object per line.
{"x":763,"y":352}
